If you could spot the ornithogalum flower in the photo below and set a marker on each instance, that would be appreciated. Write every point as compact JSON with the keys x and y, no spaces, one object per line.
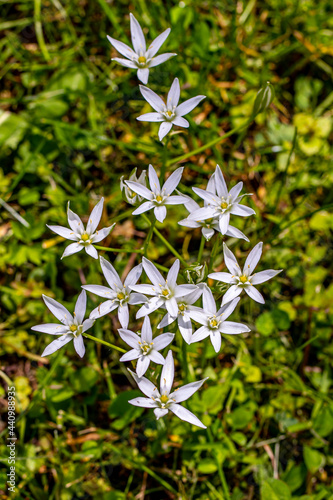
{"x":130,"y":196}
{"x":71,"y":328}
{"x":158,"y":197}
{"x":222,"y":204}
{"x":141,"y":58}
{"x":164,"y":291}
{"x":164,"y":400}
{"x":119,"y":295}
{"x":213,"y":321}
{"x":243,"y":279}
{"x":145,"y":348}
{"x":170,"y":113}
{"x":183,"y":317}
{"x":83,"y":237}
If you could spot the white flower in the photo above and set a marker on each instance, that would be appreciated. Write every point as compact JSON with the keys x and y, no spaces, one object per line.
{"x":140,"y":58}
{"x":158,"y":197}
{"x":222,"y":204}
{"x":119,"y":294}
{"x":164,"y":292}
{"x":145,"y":348}
{"x":214,"y":321}
{"x":132,"y":197}
{"x":183,"y":317}
{"x":84,"y":238}
{"x":208,"y":226}
{"x":71,"y":328}
{"x":164,"y":400}
{"x":243,"y":280}
{"x":170,"y":113}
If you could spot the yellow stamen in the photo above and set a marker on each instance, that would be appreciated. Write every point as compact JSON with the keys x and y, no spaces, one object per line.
{"x":169,"y":113}
{"x":85,"y":237}
{"x":165,"y":292}
{"x":213,"y":323}
{"x":243,"y":279}
{"x":164,"y":399}
{"x":73,"y":328}
{"x":159,"y":198}
{"x":120,"y":296}
{"x":224,"y":205}
{"x":142,"y":59}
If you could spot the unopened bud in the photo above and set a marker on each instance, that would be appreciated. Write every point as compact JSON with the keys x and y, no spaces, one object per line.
{"x":264,"y":98}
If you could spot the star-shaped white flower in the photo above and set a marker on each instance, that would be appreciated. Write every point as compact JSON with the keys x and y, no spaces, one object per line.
{"x":83,"y":237}
{"x":183,"y":317}
{"x":164,"y":291}
{"x":213,"y":321}
{"x":158,"y":197}
{"x":119,"y":295}
{"x":145,"y":348}
{"x":222,"y":204}
{"x":130,"y":196}
{"x":170,"y":113}
{"x":243,"y":279}
{"x":71,"y":328}
{"x":140,"y":58}
{"x":164,"y":400}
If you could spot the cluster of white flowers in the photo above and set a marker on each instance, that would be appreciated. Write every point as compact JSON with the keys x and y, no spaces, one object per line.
{"x":176,"y":300}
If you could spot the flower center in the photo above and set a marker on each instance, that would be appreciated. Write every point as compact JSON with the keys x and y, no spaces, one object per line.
{"x":169,"y":114}
{"x":85,"y":237}
{"x":145,"y":347}
{"x":213,"y":323}
{"x":165,"y":293}
{"x":159,"y":198}
{"x":142,"y":60}
{"x":182,"y":307}
{"x":243,"y":279}
{"x":73,"y":328}
{"x":224,"y":205}
{"x":120,"y":296}
{"x":164,"y":399}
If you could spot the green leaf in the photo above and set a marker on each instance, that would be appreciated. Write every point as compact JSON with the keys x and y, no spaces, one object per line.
{"x":265,"y":324}
{"x":207,"y":466}
{"x":313,"y":459}
{"x":275,"y":489}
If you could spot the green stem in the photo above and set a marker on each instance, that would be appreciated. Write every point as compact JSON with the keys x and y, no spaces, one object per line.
{"x":112,"y":346}
{"x":209,"y":144}
{"x":164,"y":161}
{"x":219,"y":468}
{"x":165,"y":242}
{"x":201,"y":249}
{"x":185,"y":361}
{"x":120,"y":250}
{"x":149,"y":236}
{"x":214,"y":252}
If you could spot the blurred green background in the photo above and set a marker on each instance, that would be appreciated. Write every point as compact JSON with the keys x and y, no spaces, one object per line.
{"x":68,"y":131}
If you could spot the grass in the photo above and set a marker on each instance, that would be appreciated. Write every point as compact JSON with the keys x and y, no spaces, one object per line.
{"x":68,"y":131}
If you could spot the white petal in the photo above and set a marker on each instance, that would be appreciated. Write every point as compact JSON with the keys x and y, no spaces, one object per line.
{"x":160,"y":412}
{"x":102,"y":233}
{"x":167,"y":375}
{"x":173,"y":95}
{"x":56,"y":344}
{"x":155,"y":61}
{"x":156,"y":357}
{"x":125,"y":62}
{"x":187,"y":106}
{"x":133,"y":276}
{"x":184,"y":290}
{"x":160,"y":213}
{"x":173,"y":274}
{"x":231,"y":261}
{"x":172,"y":182}
{"x":145,"y":385}
{"x":208,"y":301}
{"x":233,"y":292}
{"x":95,"y":217}
{"x":224,"y":222}
{"x":161,"y":341}
{"x":138,"y":38}
{"x":137,"y":298}
{"x":143,"y":402}
{"x":227,"y":308}
{"x":175,"y":200}
{"x":224,"y":277}
{"x":236,"y":233}
{"x":264,"y":276}
{"x":143,"y":75}
{"x":198,"y":315}
{"x":242,"y":210}
{"x":87,"y":324}
{"x":232,"y":328}
{"x":142,"y":365}
{"x":180,"y":122}
{"x":234,"y":192}
{"x":51,"y":328}
{"x":157,"y":43}
{"x":172,"y":306}
{"x":154,"y":100}
{"x":254,"y":294}
{"x":207,"y":233}
{"x":90,"y":250}
{"x":189,"y":223}
{"x":252,"y":259}
{"x":185,"y":392}
{"x":216,"y":340}
{"x":122,"y":48}
{"x":200,"y":334}
{"x":131,"y":338}
{"x":149,"y":307}
{"x":166,"y":320}
{"x":74,"y":221}
{"x":79,"y":345}
{"x":186,"y":415}
{"x":140,"y":189}
{"x":103,"y":309}
{"x":164,"y":129}
{"x":152,"y":272}
{"x":101,"y":291}
{"x":123,"y":315}
{"x":58,"y":310}
{"x":146,"y":331}
{"x":147,"y":205}
{"x":185,"y":328}
{"x":130,"y":355}
{"x":64,"y":232}
{"x":151,"y":117}
{"x":209,"y":197}
{"x":71,"y":249}
{"x":203,"y":214}
{"x":80,"y":307}
{"x":220,"y":185}
{"x":110,"y":274}
{"x":148,"y":289}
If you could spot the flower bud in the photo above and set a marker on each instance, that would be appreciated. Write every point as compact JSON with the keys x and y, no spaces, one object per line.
{"x":264,"y":98}
{"x":128,"y":194}
{"x":196,"y":273}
